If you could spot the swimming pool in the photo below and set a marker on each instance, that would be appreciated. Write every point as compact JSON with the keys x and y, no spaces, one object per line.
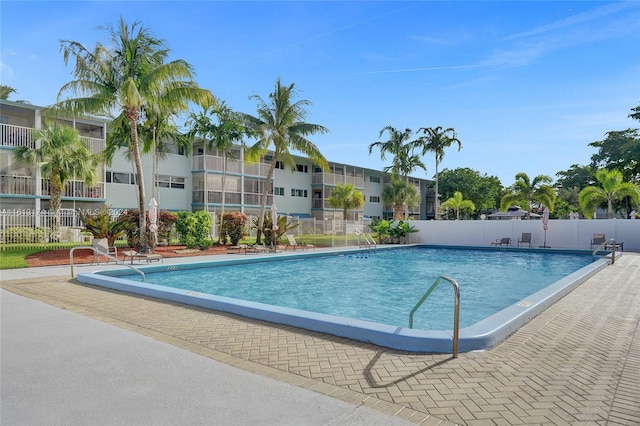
{"x":371,"y":294}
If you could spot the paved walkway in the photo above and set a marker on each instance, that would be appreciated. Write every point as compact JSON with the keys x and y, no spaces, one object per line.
{"x":576,"y":363}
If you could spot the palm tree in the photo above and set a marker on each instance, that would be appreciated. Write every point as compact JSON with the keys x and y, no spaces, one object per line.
{"x":612,"y":188}
{"x":457,"y":203}
{"x":5,"y":91}
{"x":435,"y":140}
{"x":281,"y":123}
{"x":61,"y":155}
{"x":400,"y":193}
{"x":222,"y":136}
{"x":533,"y":191}
{"x":345,"y":197}
{"x":404,"y":160}
{"x":127,"y":78}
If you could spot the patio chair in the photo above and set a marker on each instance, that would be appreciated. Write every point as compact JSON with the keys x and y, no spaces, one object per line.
{"x":294,"y":245}
{"x":525,"y":239}
{"x":148,"y":257}
{"x":101,"y":249}
{"x":598,"y":240}
{"x":504,"y":241}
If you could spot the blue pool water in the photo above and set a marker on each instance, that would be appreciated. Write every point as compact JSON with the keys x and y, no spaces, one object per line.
{"x":383,"y":287}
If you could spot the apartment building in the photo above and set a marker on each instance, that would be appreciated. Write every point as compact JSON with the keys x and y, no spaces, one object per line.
{"x":187,"y":182}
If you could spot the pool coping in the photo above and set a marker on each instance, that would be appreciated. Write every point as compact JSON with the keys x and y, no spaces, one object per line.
{"x":480,"y":336}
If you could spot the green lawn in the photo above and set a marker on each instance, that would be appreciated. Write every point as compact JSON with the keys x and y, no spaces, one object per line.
{"x":11,"y":259}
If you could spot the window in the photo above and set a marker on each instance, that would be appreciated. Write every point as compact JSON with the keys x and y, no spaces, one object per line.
{"x":120,"y":177}
{"x":299,"y":193}
{"x":302,"y":168}
{"x":166,"y":181}
{"x":374,"y":179}
{"x":279,"y":165}
{"x":278,"y":190}
{"x":374,"y":199}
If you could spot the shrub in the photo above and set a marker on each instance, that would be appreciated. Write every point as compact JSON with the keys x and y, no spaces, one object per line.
{"x":101,"y":225}
{"x":283,"y":227}
{"x":193,"y":228}
{"x":166,"y":221}
{"x":233,"y":227}
{"x":21,"y":235}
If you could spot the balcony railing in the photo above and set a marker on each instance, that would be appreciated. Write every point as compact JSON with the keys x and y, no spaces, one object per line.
{"x":337,"y":179}
{"x":77,"y":189}
{"x":96,"y":145}
{"x":215,"y":197}
{"x":15,"y":136}
{"x":17,"y":185}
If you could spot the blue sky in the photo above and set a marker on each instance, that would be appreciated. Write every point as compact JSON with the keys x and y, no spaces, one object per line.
{"x":526,"y":85}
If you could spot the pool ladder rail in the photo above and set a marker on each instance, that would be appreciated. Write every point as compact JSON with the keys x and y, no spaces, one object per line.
{"x":107,"y":255}
{"x":603,"y":247}
{"x":368,"y":243}
{"x":456,"y":309}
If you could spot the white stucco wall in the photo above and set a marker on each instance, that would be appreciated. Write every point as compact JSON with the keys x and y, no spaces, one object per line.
{"x":566,"y":234}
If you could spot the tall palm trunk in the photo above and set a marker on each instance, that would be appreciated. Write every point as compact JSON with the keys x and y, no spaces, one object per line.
{"x":137,"y":158}
{"x":56,"y":202}
{"x":263,"y":200}
{"x":437,"y":205}
{"x":224,"y":182}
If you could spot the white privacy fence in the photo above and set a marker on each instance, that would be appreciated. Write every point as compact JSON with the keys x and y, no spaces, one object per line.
{"x":565,"y":234}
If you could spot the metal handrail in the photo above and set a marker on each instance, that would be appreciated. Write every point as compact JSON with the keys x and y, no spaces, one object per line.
{"x":368,"y":240}
{"x":101,"y":253}
{"x":603,"y":246}
{"x":456,"y":309}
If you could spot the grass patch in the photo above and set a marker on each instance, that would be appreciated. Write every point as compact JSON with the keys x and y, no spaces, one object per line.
{"x":13,"y":259}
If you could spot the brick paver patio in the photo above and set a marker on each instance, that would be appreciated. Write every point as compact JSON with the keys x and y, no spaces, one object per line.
{"x":576,"y":363}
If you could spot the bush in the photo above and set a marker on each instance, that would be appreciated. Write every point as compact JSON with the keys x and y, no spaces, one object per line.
{"x":21,"y":235}
{"x":101,"y":225}
{"x":166,"y":221}
{"x":193,"y":228}
{"x":233,"y":226}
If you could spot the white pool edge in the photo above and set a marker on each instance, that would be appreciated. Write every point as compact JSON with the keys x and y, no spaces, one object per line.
{"x":480,"y":336}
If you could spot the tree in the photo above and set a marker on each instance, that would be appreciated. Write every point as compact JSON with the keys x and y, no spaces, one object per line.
{"x":612,"y":187}
{"x":345,"y":197}
{"x":457,"y":203}
{"x":400,"y":193}
{"x":404,"y":160}
{"x":636,"y":113}
{"x":5,"y":91}
{"x":281,"y":123}
{"x":128,"y":77}
{"x":621,"y":151}
{"x":530,"y":191}
{"x":483,"y":190}
{"x":435,"y":140}
{"x":61,"y":155}
{"x":223,"y":135}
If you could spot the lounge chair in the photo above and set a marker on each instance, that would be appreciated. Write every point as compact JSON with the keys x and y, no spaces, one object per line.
{"x":148,"y":257}
{"x":294,"y":245}
{"x":505,"y":241}
{"x":525,"y":239}
{"x":598,"y":240}
{"x":101,"y":249}
{"x":254,"y":248}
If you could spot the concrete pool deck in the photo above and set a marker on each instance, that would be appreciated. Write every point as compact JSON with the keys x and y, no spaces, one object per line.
{"x":577,"y":362}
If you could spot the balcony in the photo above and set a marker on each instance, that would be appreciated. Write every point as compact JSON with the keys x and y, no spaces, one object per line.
{"x":17,"y":185}
{"x":77,"y":189}
{"x":15,"y":136}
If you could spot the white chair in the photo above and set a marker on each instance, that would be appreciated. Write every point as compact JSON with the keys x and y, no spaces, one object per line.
{"x":101,"y":249}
